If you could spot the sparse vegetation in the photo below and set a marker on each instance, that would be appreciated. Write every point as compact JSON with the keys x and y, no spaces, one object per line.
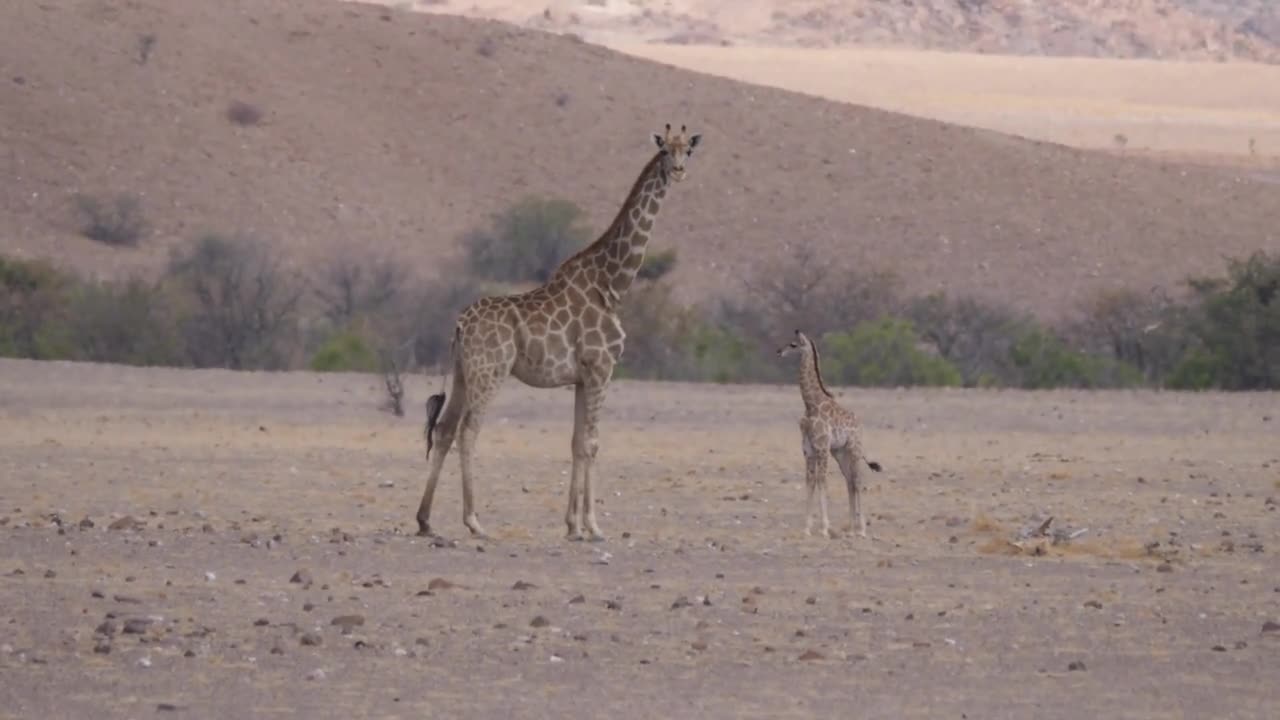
{"x":118,"y":222}
{"x":228,"y":302}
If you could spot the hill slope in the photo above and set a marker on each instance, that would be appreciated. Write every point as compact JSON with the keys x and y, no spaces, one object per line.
{"x":1168,"y":29}
{"x":398,"y":131}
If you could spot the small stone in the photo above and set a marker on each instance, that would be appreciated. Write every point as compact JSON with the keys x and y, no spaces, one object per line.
{"x":308,"y":607}
{"x":539,"y":622}
{"x":1241,"y":645}
{"x":440,"y":584}
{"x":1093,"y":604}
{"x":1219,"y":648}
{"x":136,"y":626}
{"x":50,"y":574}
{"x":1270,"y":626}
{"x":277,"y":650}
{"x":612,"y":605}
{"x":681,"y":602}
{"x":347,"y":622}
{"x":1164,"y":568}
{"x":261,"y":622}
{"x":108,"y":628}
{"x":86,"y":524}
{"x":522,"y":585}
{"x":699,"y":645}
{"x":126,"y":599}
{"x":317,"y":674}
{"x":103,"y":647}
{"x":577,"y":600}
{"x":1075,"y":666}
{"x":311,"y":639}
{"x":128,"y":522}
{"x":811,"y":600}
{"x":210,"y":577}
{"x":810,"y":655}
{"x":166,"y":707}
{"x":98,"y":594}
{"x":302,"y":577}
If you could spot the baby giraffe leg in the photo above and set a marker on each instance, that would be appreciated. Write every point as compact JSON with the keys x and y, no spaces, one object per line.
{"x":848,"y":462}
{"x":815,"y":455}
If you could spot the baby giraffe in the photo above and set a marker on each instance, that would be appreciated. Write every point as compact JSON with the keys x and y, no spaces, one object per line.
{"x":826,"y":428}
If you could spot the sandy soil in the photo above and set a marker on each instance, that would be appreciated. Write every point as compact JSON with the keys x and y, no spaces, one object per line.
{"x":707,"y":598}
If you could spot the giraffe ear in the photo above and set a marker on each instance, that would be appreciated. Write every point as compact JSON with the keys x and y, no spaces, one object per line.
{"x":658,"y":140}
{"x":693,"y":141}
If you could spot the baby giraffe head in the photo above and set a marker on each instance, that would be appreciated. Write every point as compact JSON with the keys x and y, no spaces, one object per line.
{"x":800,"y":344}
{"x":676,"y":149}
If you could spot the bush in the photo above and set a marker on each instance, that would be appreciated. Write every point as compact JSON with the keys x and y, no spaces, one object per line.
{"x":885,"y":352}
{"x":975,"y":337}
{"x":1146,"y":331}
{"x":240,"y":308}
{"x":528,"y":241}
{"x":1236,"y":328}
{"x":657,"y":264}
{"x":34,"y":310}
{"x":1045,"y":361}
{"x":127,"y":323}
{"x":118,"y":223}
{"x":345,"y":351}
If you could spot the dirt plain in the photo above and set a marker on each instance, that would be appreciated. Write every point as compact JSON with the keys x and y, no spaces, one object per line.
{"x":706,"y":599}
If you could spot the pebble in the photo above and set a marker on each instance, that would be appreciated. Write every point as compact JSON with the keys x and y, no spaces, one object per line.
{"x":810,"y":655}
{"x":311,"y":639}
{"x":1075,"y":666}
{"x":302,"y":577}
{"x":539,"y":622}
{"x":317,"y":674}
{"x":522,"y":585}
{"x":347,"y":622}
{"x":136,"y":626}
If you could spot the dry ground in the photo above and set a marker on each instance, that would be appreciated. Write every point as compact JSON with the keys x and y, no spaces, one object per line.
{"x":240,"y":480}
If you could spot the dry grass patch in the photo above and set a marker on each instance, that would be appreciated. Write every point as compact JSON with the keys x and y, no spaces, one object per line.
{"x":983,"y":523}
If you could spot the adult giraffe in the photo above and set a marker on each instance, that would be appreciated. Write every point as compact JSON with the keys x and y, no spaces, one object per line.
{"x":566,"y":332}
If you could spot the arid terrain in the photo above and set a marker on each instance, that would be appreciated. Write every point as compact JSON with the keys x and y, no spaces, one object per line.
{"x":221,"y":544}
{"x":398,"y":131}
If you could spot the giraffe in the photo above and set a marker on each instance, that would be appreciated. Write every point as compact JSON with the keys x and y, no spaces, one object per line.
{"x":565,"y":332}
{"x":826,"y":428}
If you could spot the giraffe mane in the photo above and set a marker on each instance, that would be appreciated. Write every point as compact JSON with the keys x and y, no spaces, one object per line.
{"x":817,"y":368}
{"x":621,"y":218}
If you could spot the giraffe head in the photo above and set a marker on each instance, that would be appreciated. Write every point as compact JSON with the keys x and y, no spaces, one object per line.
{"x":800,"y":344}
{"x":676,"y":149}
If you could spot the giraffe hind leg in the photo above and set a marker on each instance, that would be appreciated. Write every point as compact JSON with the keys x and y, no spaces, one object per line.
{"x":439,"y":436}
{"x":848,"y":461}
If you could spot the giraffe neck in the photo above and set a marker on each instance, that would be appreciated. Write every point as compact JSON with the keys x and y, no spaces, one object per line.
{"x":812,"y":390}
{"x":610,"y":263}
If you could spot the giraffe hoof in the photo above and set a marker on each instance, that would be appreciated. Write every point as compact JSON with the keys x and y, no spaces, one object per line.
{"x":596,"y":537}
{"x":424,"y":530}
{"x":573,"y":536}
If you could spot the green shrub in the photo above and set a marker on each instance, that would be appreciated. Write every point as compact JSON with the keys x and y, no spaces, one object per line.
{"x":884,"y":352}
{"x":127,"y":323}
{"x":1236,"y":326}
{"x":345,"y":351}
{"x":35,"y":305}
{"x":528,"y":241}
{"x":1045,"y":361}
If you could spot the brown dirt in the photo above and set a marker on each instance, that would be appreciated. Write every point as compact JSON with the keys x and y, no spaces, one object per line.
{"x":398,"y":131}
{"x":701,"y":499}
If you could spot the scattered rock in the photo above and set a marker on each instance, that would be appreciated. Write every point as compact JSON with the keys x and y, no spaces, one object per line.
{"x":1075,"y":666}
{"x":261,"y":622}
{"x":522,"y":585}
{"x":50,"y":574}
{"x":311,"y":639}
{"x":136,"y":626}
{"x":102,"y":647}
{"x":108,"y":628}
{"x":317,"y":674}
{"x":308,"y":607}
{"x":811,"y":600}
{"x":811,"y":655}
{"x":699,"y":645}
{"x":302,"y":577}
{"x":612,"y":605}
{"x":1270,"y":626}
{"x":167,"y":707}
{"x":86,"y":524}
{"x":681,"y":602}
{"x":128,"y":522}
{"x":1219,"y":648}
{"x":210,"y":576}
{"x":347,"y":622}
{"x":1164,"y":568}
{"x":539,"y":622}
{"x":1093,"y":604}
{"x":441,"y":584}
{"x":577,"y":600}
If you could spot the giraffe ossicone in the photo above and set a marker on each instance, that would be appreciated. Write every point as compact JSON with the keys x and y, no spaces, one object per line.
{"x":565,"y":332}
{"x":827,"y":429}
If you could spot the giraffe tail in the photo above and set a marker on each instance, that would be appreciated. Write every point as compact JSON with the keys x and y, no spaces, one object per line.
{"x":874,"y":465}
{"x":435,"y":403}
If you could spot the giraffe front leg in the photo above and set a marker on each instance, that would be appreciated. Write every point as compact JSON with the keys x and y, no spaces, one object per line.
{"x":820,"y":487}
{"x":589,"y":400}
{"x":466,"y":446}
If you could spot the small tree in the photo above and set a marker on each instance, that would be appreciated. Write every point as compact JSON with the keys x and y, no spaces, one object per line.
{"x":34,"y":310}
{"x":128,"y":323}
{"x":528,"y":241}
{"x":241,"y":306}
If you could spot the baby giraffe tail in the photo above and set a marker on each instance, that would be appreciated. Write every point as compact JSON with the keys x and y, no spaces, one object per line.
{"x":870,"y":463}
{"x":435,"y":404}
